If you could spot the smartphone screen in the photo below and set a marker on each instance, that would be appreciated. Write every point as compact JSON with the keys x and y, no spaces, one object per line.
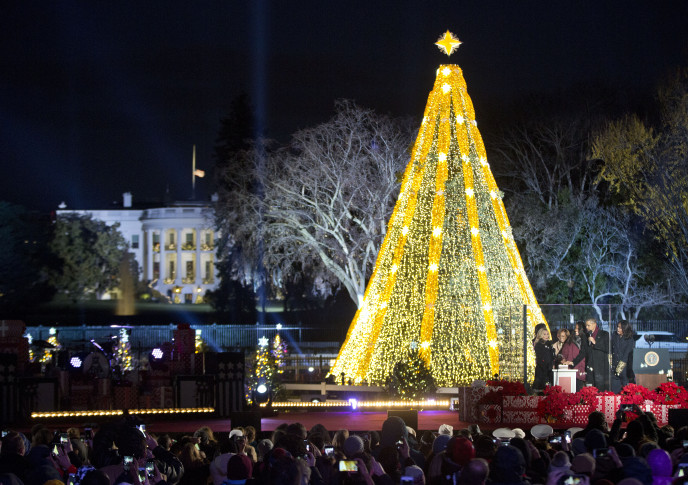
{"x":150,"y":468}
{"x":72,"y":479}
{"x":64,"y":437}
{"x":329,"y":450}
{"x":567,"y":436}
{"x":682,"y":470}
{"x":348,"y":466}
{"x":406,"y":479}
{"x":143,"y":474}
{"x":128,"y":460}
{"x":55,"y":450}
{"x":600,"y":452}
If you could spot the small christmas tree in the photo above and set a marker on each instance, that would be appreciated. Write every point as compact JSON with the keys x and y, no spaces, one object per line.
{"x":411,"y":377}
{"x":260,"y":372}
{"x":279,"y":353}
{"x":122,"y":351}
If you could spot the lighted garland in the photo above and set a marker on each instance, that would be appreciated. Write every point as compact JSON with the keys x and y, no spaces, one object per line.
{"x":448,"y":274}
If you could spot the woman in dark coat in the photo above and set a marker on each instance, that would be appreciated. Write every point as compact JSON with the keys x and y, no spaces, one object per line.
{"x":544,"y":358}
{"x":623,"y":344}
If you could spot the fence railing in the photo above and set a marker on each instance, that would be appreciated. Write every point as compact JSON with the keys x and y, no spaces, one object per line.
{"x":217,"y":337}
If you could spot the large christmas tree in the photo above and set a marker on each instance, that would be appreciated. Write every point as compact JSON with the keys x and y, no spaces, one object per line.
{"x":448,"y":279}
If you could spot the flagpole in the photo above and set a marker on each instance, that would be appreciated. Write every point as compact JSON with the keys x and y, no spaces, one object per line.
{"x":193,"y":174}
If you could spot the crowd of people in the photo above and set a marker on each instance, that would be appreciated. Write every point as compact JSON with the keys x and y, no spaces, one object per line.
{"x":641,"y":453}
{"x":586,"y":349}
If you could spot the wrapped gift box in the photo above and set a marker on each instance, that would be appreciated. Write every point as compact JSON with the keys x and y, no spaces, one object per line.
{"x":580,"y":413}
{"x":661,"y":412}
{"x":521,"y":402}
{"x":490,"y":413}
{"x":523,"y":416}
{"x":608,"y":405}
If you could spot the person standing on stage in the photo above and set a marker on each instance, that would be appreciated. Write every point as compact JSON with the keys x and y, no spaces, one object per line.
{"x":544,"y":358}
{"x":571,"y":349}
{"x":623,"y":344}
{"x":596,"y":355}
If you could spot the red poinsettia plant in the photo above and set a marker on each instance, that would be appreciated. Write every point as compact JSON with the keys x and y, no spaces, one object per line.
{"x":636,"y":394}
{"x":671,"y":393}
{"x":555,"y":402}
{"x":587,"y":396}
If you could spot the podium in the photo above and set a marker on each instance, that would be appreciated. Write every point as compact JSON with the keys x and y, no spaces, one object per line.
{"x":651,"y":366}
{"x":566,"y":378}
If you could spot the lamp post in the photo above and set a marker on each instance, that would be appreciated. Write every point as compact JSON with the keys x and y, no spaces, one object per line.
{"x":570,"y":285}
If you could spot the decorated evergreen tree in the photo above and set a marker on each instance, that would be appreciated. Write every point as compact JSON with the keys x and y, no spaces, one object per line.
{"x":260,"y":371}
{"x":448,"y":276}
{"x":122,"y":351}
{"x":279,"y":353}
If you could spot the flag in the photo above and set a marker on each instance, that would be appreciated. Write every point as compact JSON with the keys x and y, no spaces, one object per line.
{"x":199,"y":173}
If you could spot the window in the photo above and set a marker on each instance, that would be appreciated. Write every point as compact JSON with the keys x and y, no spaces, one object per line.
{"x":156,"y":270}
{"x":156,"y":238}
{"x":189,"y":238}
{"x":135,"y":241}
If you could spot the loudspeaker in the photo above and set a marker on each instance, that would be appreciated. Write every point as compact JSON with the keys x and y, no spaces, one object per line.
{"x":246,"y":419}
{"x":678,"y":418}
{"x":410,"y":417}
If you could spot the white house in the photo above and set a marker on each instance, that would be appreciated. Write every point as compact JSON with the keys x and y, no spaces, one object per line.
{"x":174,"y":245}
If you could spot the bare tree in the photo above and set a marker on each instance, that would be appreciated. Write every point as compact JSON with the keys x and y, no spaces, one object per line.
{"x":322,"y":203}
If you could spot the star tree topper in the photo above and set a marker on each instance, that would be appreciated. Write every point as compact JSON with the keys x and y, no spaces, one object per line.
{"x":448,"y":43}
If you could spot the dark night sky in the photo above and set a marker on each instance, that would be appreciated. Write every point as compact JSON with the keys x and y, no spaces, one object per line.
{"x":97,"y":98}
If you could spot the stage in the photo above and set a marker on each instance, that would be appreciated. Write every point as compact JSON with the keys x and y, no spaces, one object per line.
{"x":333,"y":420}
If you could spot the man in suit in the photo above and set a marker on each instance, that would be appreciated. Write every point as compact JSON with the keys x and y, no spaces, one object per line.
{"x":596,"y":355}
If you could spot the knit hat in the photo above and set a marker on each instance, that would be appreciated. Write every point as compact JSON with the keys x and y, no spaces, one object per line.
{"x":239,"y":467}
{"x":541,"y":431}
{"x":560,"y":461}
{"x":583,"y":463}
{"x":461,"y":451}
{"x":416,"y":472}
{"x":446,"y":429}
{"x":578,"y":446}
{"x":519,"y":433}
{"x":440,"y":443}
{"x":352,"y":445}
{"x":595,"y":439}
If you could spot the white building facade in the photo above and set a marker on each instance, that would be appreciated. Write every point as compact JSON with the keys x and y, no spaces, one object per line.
{"x":173,"y":245}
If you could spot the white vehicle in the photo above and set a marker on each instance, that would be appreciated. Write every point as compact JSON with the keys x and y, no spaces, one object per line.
{"x":661,"y":340}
